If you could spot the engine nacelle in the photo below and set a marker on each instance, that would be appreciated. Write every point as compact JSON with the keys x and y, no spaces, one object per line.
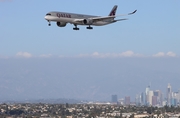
{"x":88,"y":21}
{"x":61,"y":24}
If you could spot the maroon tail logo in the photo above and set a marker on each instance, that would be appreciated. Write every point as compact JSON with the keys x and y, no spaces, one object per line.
{"x":113,"y":12}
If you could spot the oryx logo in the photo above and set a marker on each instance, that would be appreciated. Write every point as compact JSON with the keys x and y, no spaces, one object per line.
{"x":113,"y":12}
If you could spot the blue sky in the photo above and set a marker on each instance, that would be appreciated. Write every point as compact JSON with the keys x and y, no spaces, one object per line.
{"x":153,"y":30}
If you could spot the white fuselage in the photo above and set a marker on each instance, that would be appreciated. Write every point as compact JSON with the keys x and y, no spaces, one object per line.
{"x":62,"y":18}
{"x":71,"y":18}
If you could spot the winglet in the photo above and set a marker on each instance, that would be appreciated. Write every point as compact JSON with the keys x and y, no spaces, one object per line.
{"x":113,"y":11}
{"x":132,"y":12}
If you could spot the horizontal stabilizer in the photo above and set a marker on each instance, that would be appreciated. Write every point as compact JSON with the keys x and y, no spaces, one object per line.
{"x":132,"y":12}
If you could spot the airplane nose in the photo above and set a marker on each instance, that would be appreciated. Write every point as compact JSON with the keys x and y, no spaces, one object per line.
{"x":46,"y":17}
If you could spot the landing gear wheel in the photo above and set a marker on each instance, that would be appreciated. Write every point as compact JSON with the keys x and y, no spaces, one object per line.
{"x":89,"y":27}
{"x":75,"y":28}
{"x":49,"y":23}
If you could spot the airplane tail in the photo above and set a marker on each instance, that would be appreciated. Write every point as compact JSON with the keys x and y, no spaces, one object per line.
{"x":113,"y":11}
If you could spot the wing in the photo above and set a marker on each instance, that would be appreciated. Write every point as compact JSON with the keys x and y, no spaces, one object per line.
{"x":95,"y":19}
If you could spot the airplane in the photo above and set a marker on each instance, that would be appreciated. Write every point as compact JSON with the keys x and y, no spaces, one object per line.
{"x":62,"y":18}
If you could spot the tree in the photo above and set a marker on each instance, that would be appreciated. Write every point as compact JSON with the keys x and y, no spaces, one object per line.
{"x":120,"y":115}
{"x":16,"y":112}
{"x":158,"y":112}
{"x":67,"y":105}
{"x":132,"y":116}
{"x":149,"y":110}
{"x":67,"y":113}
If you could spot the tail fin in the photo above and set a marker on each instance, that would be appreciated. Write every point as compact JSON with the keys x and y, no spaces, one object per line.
{"x":113,"y":11}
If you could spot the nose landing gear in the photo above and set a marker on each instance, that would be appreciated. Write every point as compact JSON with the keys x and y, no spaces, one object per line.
{"x":49,"y":23}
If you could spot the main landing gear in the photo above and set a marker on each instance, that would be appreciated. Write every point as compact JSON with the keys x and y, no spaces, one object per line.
{"x":89,"y":27}
{"x":75,"y":28}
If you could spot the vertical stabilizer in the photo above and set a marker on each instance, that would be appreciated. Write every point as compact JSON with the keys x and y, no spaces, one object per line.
{"x":113,"y":11}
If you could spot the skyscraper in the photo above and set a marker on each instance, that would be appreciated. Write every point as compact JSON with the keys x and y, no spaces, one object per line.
{"x":154,"y":100}
{"x":127,"y":100}
{"x":142,"y":98}
{"x":146,"y":95}
{"x":158,"y":94}
{"x":138,"y":100}
{"x":174,"y":99}
{"x":169,"y":95}
{"x":179,"y":96}
{"x":149,"y":96}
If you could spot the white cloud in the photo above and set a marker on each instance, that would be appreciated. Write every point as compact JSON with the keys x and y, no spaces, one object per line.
{"x":159,"y":54}
{"x":46,"y":55}
{"x":111,"y":55}
{"x":163,"y":54}
{"x":24,"y":54}
{"x":171,"y":54}
{"x":128,"y":54}
{"x":95,"y":54}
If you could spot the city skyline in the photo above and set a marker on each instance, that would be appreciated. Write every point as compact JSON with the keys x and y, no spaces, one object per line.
{"x":151,"y":98}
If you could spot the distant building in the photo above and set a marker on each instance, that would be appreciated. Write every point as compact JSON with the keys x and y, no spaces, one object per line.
{"x":149,"y":96}
{"x":137,"y":100}
{"x":127,"y":100}
{"x":142,"y":98}
{"x":169,"y":95}
{"x":114,"y":99}
{"x":178,"y":98}
{"x":173,"y":102}
{"x":146,"y":95}
{"x":121,"y":101}
{"x":164,"y":103}
{"x":154,"y":100}
{"x":158,"y":94}
{"x":174,"y":99}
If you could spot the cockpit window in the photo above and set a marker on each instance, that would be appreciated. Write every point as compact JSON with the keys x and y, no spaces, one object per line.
{"x":48,"y":14}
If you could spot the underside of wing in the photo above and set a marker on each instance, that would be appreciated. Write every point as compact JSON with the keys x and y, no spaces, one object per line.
{"x":121,"y":19}
{"x":89,"y":21}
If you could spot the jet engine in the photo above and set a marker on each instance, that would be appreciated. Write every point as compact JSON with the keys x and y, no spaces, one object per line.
{"x":61,"y":24}
{"x":88,"y":21}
